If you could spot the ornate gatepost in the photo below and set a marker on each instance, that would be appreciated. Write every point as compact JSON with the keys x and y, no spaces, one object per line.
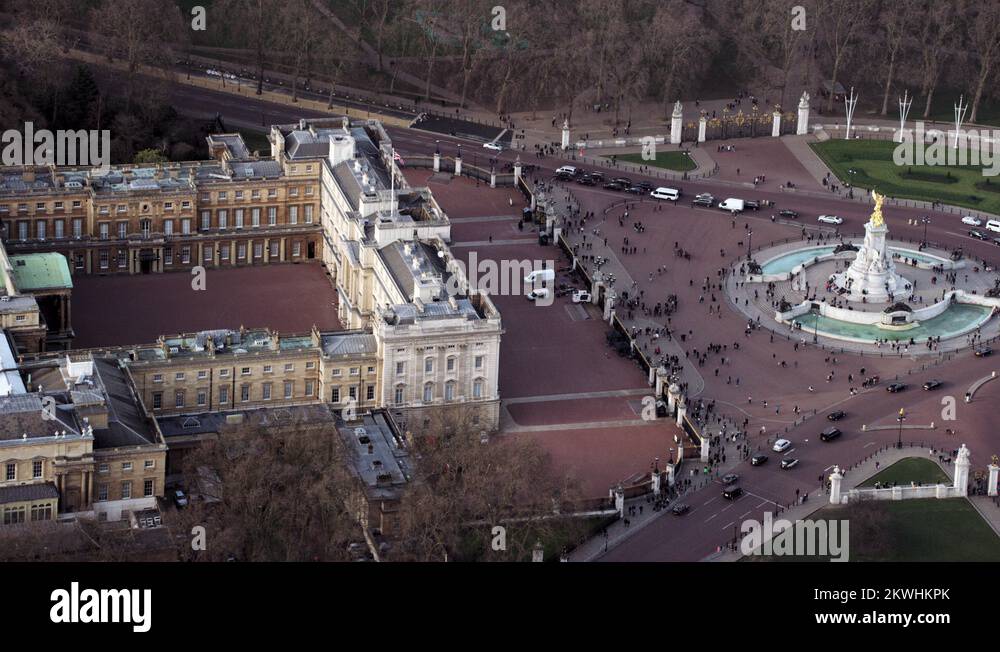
{"x":835,"y":479}
{"x":565,"y":134}
{"x":776,"y":123}
{"x":962,"y":465}
{"x":802,"y":126}
{"x":676,"y":124}
{"x":702,"y":126}
{"x":991,"y":486}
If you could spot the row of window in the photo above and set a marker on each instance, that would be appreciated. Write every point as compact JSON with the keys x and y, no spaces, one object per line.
{"x":40,"y":512}
{"x":10,"y":470}
{"x":202,"y":374}
{"x":450,"y":364}
{"x":184,"y":254}
{"x":478,"y":387}
{"x":246,"y":394}
{"x":352,"y":393}
{"x":148,"y":489}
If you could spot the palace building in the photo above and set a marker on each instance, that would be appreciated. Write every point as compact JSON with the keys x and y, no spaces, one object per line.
{"x":417,"y":339}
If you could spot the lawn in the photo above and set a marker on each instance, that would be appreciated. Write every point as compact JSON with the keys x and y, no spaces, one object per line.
{"x":679,"y":161}
{"x":906,"y":471}
{"x":869,"y":164}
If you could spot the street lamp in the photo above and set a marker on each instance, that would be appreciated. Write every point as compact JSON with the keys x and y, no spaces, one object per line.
{"x":901,"y":418}
{"x":749,"y":243}
{"x":925,"y":221}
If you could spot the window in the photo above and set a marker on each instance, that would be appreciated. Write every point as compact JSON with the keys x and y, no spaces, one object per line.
{"x":168,"y":205}
{"x":157,"y":400}
{"x":310,"y":365}
{"x":223,"y":219}
{"x":223,"y":195}
{"x":352,"y":392}
{"x":147,"y":487}
{"x":22,"y":230}
{"x":254,"y":194}
{"x":126,"y":490}
{"x":309,"y":388}
{"x":477,"y":389}
{"x":258,"y":250}
{"x":102,"y":491}
{"x":255,"y":217}
{"x":208,"y":253}
{"x":202,"y":397}
{"x":370,"y":393}
{"x":337,"y":373}
{"x":428,"y":392}
{"x":479,"y":362}
{"x":245,"y":393}
{"x":239,"y":218}
{"x":289,"y":367}
{"x":36,"y":469}
{"x":241,"y":251}
{"x":77,"y":228}
{"x":11,"y":472}
{"x":266,"y":391}
{"x":122,"y":230}
{"x":185,"y":255}
{"x":149,"y":464}
{"x":296,"y":249}
{"x":168,"y":227}
{"x":335,"y":397}
{"x":245,"y":371}
{"x":451,"y":363}
{"x":223,"y":373}
{"x":103,"y":229}
{"x":102,"y":468}
{"x":122,"y":258}
{"x":40,"y":229}
{"x":179,"y":375}
{"x":185,"y":226}
{"x":168,"y":256}
{"x":272,"y":193}
{"x":272,"y":216}
{"x":41,"y":512}
{"x":429,"y":365}
{"x":60,"y":229}
{"x":145,"y":226}
{"x":308,"y":213}
{"x":399,"y":395}
{"x":290,"y":389}
{"x":157,"y":378}
{"x":293,"y":214}
{"x":224,"y":252}
{"x":400,"y":368}
{"x":203,"y":374}
{"x":239,"y":194}
{"x":274,"y":249}
{"x":206,"y":220}
{"x":13,"y":515}
{"x":126,"y":466}
{"x":223,"y":394}
{"x":449,"y":391}
{"x":179,"y":399}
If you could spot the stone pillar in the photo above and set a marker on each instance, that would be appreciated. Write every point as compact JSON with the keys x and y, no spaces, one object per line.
{"x":661,"y":381}
{"x":655,"y":479}
{"x":565,"y":135}
{"x":776,"y":124}
{"x":517,"y":170}
{"x":437,"y":161}
{"x":706,"y":446}
{"x":681,"y":412}
{"x":897,"y":493}
{"x":458,"y":166}
{"x":941,"y":491}
{"x":676,"y":124}
{"x":619,"y":495}
{"x":991,"y":487}
{"x":609,"y":306}
{"x":538,"y":553}
{"x":702,"y":125}
{"x":673,"y":396}
{"x":835,"y":479}
{"x":802,"y":126}
{"x":962,"y":471}
{"x":493,"y":178}
{"x":652,"y":376}
{"x":670,"y":474}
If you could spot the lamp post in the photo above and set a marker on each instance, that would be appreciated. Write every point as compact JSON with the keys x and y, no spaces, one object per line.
{"x":749,"y":243}
{"x":925,"y":220}
{"x":901,"y":418}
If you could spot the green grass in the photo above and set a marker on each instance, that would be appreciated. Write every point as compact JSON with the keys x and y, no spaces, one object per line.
{"x":679,"y":161}
{"x":906,"y":471}
{"x":869,"y":164}
{"x":256,"y":141}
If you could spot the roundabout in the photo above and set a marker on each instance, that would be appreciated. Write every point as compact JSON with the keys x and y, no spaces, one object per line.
{"x":869,"y":291}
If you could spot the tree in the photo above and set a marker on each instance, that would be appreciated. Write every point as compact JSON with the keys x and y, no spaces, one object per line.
{"x":255,"y":23}
{"x":939,"y":25}
{"x":839,"y":25}
{"x":285,"y":491}
{"x":894,"y":18}
{"x":149,"y":156}
{"x":985,"y":39}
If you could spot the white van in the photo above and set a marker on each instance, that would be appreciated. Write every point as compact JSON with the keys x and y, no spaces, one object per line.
{"x":732,"y":204}
{"x":540,"y":276}
{"x":993,"y":225}
{"x":670,"y":194}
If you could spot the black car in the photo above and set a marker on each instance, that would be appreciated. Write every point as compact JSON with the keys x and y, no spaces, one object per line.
{"x":836,"y":416}
{"x":984,"y":351}
{"x":636,"y":190}
{"x":587,"y":181}
{"x":680,"y":510}
{"x":978,"y":235}
{"x":624,"y":181}
{"x":732,"y":492}
{"x":894,"y":388}
{"x":751,"y":205}
{"x":702,"y":201}
{"x":830,"y":434}
{"x":613,"y":185}
{"x":788,"y":463}
{"x":788,"y":213}
{"x":730,"y":478}
{"x":595,"y":175}
{"x":932,"y":384}
{"x":645,"y":185}
{"x":758,"y":459}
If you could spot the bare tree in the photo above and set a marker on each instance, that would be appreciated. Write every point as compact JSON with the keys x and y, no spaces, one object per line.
{"x":939,"y":25}
{"x":839,"y":25}
{"x":985,"y":38}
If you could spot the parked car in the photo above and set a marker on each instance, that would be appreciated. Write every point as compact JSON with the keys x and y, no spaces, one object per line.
{"x":624,"y":181}
{"x":983,"y":351}
{"x":788,"y":213}
{"x":781,"y":446}
{"x":836,"y":415}
{"x":587,"y":180}
{"x":493,"y":147}
{"x":680,"y":509}
{"x":752,"y":204}
{"x":830,"y":219}
{"x":636,"y":190}
{"x":180,"y":498}
{"x":703,"y":201}
{"x":932,"y":384}
{"x":758,"y":459}
{"x":581,"y":296}
{"x":789,"y":462}
{"x":972,"y":220}
{"x":534,"y":295}
{"x":978,"y":235}
{"x":730,"y":478}
{"x":614,"y":185}
{"x":895,"y":388}
{"x":567,"y":169}
{"x":830,"y":434}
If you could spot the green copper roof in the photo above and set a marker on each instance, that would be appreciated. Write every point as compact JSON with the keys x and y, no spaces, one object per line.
{"x":41,"y":272}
